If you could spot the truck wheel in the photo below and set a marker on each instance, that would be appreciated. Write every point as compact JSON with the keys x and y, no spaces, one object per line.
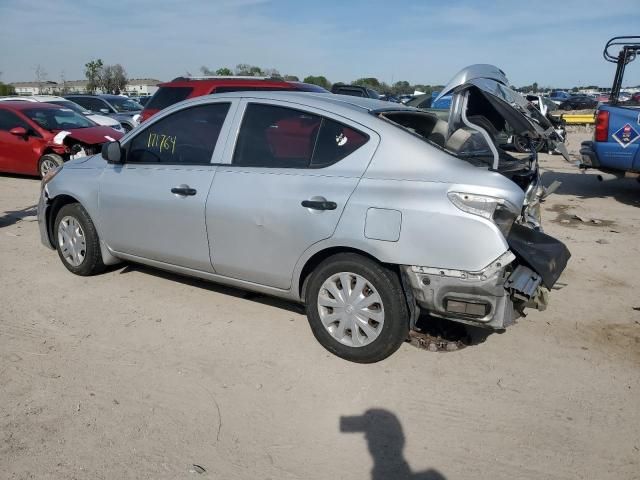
{"x":77,"y":241}
{"x":356,"y":308}
{"x":48,"y":162}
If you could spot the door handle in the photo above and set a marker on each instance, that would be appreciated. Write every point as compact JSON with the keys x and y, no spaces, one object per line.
{"x":319,"y":204}
{"x":184,"y":190}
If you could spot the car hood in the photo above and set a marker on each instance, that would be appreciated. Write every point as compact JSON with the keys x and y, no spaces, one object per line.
{"x":92,"y":135}
{"x":492,"y":83}
{"x":103,"y":120}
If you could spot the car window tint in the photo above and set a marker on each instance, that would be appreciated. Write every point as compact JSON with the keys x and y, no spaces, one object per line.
{"x":9,"y":120}
{"x":186,"y":137}
{"x":276,"y":137}
{"x":167,"y":96}
{"x":335,"y":142}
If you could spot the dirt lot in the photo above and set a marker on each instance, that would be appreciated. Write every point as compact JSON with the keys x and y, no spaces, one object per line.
{"x":141,"y":374}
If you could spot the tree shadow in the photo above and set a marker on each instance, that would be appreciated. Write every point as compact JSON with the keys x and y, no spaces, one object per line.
{"x":385,"y":440}
{"x":14,"y":216}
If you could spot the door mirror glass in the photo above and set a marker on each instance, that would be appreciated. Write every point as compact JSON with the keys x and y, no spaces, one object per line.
{"x":112,"y":152}
{"x":18,"y":131}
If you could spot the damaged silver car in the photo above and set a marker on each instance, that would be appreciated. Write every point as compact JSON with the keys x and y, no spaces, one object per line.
{"x":365,"y":211}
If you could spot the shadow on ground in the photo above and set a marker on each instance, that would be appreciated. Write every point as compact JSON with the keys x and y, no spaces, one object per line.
{"x":385,"y":439}
{"x":13,"y":216}
{"x":587,"y":185}
{"x":214,"y":287}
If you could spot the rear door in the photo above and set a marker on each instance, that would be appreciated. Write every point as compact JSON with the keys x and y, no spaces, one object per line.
{"x":153,"y":205}
{"x":282,"y":188}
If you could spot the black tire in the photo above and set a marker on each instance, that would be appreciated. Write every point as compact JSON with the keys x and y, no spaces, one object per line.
{"x":91,"y":263}
{"x":522,"y":146}
{"x":395,"y":327}
{"x":47,"y":162}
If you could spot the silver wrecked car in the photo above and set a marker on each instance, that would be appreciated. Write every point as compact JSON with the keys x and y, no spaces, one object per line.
{"x":367,"y":212}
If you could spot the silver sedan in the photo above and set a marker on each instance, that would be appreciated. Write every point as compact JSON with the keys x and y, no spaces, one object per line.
{"x":365,"y":211}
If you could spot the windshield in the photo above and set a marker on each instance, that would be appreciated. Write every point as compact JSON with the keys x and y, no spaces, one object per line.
{"x":71,"y":105}
{"x":123,"y":104}
{"x":58,"y":118}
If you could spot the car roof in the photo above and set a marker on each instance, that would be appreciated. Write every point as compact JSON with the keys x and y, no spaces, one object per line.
{"x":22,"y":105}
{"x":227,"y":81}
{"x":341,"y":104}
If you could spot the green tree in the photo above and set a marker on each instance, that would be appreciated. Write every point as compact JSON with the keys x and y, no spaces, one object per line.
{"x":92,"y":71}
{"x":224,"y":72}
{"x":319,"y":80}
{"x":246,"y":70}
{"x":401,"y":87}
{"x":370,"y":82}
{"x":6,"y":89}
{"x":206,"y":71}
{"x":534,"y":87}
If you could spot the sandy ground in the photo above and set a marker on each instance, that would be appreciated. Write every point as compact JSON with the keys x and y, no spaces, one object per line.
{"x":141,"y":374}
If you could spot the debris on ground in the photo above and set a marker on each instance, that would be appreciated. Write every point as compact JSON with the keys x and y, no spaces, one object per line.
{"x":438,"y":335}
{"x":197,"y":469}
{"x":602,"y":241}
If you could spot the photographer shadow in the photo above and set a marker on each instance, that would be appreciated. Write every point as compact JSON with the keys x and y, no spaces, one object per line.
{"x":385,"y":440}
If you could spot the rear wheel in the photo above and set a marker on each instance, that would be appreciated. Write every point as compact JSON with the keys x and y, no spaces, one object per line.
{"x":356,"y":308}
{"x":48,"y":162}
{"x":77,"y":241}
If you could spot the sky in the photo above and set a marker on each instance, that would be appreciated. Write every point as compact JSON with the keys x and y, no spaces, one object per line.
{"x":554,"y":43}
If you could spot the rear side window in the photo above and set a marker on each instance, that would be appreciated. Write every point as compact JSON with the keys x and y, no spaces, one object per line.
{"x":167,"y":96}
{"x":279,"y":137}
{"x":186,"y":137}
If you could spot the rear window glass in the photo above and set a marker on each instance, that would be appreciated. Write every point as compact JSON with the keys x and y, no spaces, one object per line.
{"x":167,"y":96}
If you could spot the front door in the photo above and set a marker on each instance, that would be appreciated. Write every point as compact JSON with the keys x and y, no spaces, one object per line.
{"x":153,"y":205}
{"x":282,"y":189}
{"x":18,"y":154}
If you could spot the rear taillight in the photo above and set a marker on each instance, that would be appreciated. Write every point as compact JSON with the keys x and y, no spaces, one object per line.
{"x":602,"y":126}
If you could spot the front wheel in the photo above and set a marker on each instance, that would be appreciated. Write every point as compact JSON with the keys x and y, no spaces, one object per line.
{"x":356,"y":308}
{"x":77,"y":241}
{"x":48,"y":162}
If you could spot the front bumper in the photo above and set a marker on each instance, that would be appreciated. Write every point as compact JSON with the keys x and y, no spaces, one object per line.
{"x":497,"y":295}
{"x":43,"y":210}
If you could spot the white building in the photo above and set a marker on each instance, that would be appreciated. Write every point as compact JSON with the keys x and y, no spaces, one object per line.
{"x":141,"y":86}
{"x":35,"y":88}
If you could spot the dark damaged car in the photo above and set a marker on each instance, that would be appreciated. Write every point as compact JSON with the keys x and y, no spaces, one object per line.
{"x":38,"y":137}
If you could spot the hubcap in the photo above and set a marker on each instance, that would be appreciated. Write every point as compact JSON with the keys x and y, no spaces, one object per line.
{"x":47,"y":165}
{"x":71,"y":241}
{"x":351,"y":309}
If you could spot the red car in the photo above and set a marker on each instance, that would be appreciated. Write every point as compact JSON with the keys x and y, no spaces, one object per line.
{"x":182,"y":88}
{"x":37,"y":137}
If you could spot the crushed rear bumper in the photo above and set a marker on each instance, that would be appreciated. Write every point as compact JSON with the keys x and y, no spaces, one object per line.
{"x":497,"y":295}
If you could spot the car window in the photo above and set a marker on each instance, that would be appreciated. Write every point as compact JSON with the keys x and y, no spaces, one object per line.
{"x":58,"y":118}
{"x":335,"y":141}
{"x":124,"y":104}
{"x":186,"y":137}
{"x":72,"y":105}
{"x":279,"y":137}
{"x":93,"y":104}
{"x":9,"y":120}
{"x":167,"y":96}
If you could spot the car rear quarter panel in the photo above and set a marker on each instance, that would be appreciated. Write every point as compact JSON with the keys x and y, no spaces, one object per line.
{"x":410,"y":176}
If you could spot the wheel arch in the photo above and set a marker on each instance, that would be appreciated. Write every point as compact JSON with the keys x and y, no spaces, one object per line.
{"x":318,"y":257}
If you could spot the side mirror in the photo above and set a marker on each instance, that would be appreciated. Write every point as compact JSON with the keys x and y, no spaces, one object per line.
{"x":104,"y":110}
{"x":18,"y":131}
{"x":112,"y":152}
